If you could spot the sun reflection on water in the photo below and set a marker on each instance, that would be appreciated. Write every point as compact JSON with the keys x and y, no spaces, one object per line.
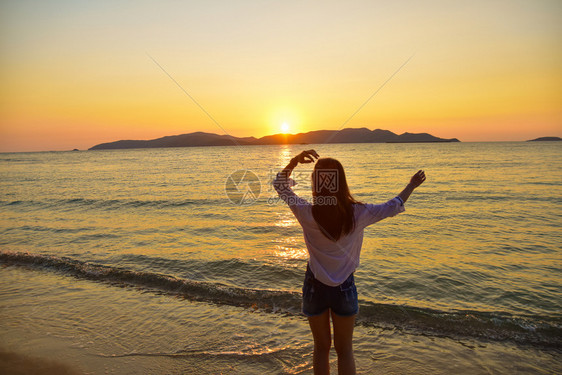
{"x":285,"y":154}
{"x":285,"y":222}
{"x":288,"y":253}
{"x":290,"y":248}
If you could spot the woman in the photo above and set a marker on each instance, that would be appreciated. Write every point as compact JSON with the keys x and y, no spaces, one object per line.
{"x":333,"y":232}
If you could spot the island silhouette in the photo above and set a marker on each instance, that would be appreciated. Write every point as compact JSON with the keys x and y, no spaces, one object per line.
{"x":348,"y":135}
{"x":546,"y":139}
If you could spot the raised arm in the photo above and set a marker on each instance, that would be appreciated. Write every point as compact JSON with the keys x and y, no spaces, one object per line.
{"x":282,"y":183}
{"x":415,"y":181}
{"x":303,"y":158}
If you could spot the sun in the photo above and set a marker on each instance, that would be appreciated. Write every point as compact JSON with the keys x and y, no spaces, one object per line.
{"x":284,"y":128}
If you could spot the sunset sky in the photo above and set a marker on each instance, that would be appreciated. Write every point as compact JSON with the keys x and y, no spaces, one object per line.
{"x":77,"y":73}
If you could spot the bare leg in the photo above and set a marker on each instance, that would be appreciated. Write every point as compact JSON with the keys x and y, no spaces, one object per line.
{"x":320,"y":327}
{"x":343,"y":342}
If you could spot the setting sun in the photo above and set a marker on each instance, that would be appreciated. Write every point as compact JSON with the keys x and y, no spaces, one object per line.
{"x":284,"y":127}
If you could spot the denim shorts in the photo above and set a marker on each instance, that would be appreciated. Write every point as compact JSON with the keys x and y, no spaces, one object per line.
{"x":317,"y":297}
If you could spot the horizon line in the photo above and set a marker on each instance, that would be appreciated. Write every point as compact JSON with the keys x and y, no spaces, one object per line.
{"x":281,"y":144}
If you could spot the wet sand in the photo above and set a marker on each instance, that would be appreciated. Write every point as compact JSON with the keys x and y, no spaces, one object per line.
{"x":15,"y":364}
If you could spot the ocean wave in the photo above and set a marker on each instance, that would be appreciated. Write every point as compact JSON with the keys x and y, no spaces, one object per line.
{"x":493,"y":326}
{"x":268,"y":300}
{"x":255,"y":352}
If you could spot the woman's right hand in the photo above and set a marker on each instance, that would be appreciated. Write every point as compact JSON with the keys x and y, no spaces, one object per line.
{"x":306,"y":157}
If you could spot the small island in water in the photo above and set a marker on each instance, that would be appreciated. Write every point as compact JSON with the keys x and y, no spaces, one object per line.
{"x":545,"y":139}
{"x":348,"y":135}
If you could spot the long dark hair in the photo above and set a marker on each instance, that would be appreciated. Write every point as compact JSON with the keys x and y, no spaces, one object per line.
{"x":332,"y":207}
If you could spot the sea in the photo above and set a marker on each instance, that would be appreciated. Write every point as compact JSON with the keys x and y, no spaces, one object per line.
{"x":183,"y":260}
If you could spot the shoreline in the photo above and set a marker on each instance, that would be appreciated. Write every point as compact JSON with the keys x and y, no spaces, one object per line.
{"x":137,"y":332}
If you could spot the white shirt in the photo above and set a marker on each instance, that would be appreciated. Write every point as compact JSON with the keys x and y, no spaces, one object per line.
{"x":332,"y":262}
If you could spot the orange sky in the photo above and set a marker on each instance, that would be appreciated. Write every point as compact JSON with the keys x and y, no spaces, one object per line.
{"x":75,"y":74}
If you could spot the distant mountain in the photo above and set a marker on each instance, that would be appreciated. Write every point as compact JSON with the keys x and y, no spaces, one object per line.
{"x":349,"y":135}
{"x":543,"y":139}
{"x":183,"y":140}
